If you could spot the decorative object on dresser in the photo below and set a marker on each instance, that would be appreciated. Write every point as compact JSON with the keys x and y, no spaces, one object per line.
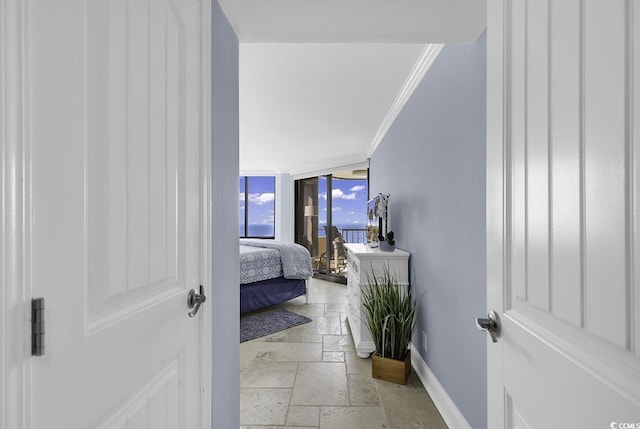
{"x":362,"y":260}
{"x":389,"y":313}
{"x":388,"y":245}
{"x":377,"y":212}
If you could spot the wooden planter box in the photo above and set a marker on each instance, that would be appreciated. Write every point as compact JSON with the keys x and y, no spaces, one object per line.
{"x":395,"y":371}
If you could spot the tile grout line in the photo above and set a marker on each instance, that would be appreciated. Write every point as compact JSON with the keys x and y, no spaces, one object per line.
{"x":295,"y":378}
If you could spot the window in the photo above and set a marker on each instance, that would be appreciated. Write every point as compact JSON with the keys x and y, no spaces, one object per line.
{"x":257,"y":206}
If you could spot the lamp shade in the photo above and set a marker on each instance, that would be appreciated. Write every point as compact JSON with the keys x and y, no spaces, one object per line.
{"x":310,"y":211}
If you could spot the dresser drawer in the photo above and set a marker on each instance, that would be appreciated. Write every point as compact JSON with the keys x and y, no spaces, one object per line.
{"x":353,"y":269}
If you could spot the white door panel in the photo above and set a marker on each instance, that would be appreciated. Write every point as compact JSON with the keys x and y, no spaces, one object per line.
{"x":114,"y":132}
{"x":562,"y":233}
{"x":136,"y":195}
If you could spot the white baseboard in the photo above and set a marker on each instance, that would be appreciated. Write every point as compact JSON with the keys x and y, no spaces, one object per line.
{"x":450,"y":413}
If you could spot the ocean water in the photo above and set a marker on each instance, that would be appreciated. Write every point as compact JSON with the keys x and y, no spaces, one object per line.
{"x":258,"y":230}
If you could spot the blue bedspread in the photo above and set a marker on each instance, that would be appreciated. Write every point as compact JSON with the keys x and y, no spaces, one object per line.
{"x":295,"y":259}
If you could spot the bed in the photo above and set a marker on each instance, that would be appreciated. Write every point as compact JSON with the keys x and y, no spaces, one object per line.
{"x":272,"y":272}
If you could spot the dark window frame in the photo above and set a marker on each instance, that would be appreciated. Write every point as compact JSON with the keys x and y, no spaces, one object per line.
{"x":246,"y":208}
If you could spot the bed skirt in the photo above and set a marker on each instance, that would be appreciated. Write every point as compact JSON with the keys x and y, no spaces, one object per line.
{"x":254,"y":296}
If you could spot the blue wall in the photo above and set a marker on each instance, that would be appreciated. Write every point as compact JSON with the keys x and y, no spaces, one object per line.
{"x":432,"y":162}
{"x":224,"y":302}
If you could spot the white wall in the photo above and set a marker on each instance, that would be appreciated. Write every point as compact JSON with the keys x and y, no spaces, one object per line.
{"x":432,"y":162}
{"x":224,"y":301}
{"x":285,"y":201}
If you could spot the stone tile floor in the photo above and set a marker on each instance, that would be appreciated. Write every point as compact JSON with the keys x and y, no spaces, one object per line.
{"x":310,"y":377}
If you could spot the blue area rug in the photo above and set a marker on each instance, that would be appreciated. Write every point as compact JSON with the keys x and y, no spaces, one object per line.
{"x":268,"y":322}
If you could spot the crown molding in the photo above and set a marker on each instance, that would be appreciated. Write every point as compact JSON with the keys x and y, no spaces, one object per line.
{"x":330,"y":169}
{"x":425,"y":60}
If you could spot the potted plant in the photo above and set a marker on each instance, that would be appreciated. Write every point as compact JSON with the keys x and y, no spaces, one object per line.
{"x":387,"y":244}
{"x":389,"y":312}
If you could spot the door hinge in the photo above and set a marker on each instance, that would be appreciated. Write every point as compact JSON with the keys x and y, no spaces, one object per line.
{"x":37,"y":327}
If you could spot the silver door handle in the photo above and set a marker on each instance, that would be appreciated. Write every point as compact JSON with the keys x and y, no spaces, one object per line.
{"x":195,"y":299}
{"x":491,"y":324}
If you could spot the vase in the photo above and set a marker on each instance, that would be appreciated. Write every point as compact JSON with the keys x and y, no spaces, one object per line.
{"x":395,"y":371}
{"x":386,"y":247}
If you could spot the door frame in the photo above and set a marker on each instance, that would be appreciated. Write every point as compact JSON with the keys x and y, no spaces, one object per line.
{"x":206,"y":276}
{"x":15,"y":362}
{"x":15,"y":286}
{"x":495,"y":201}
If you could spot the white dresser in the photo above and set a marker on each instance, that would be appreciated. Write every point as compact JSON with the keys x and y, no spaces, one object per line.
{"x":362,"y":260}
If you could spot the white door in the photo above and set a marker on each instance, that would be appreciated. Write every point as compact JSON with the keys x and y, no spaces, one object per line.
{"x":563,"y":232}
{"x":113,"y":117}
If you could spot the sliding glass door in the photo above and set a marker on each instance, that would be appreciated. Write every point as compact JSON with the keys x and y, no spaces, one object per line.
{"x":331,"y":211}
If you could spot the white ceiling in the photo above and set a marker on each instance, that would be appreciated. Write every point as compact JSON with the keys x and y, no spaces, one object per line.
{"x":319,"y":79}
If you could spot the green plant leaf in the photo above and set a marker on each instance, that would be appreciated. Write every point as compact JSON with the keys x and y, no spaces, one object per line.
{"x":389,"y":313}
